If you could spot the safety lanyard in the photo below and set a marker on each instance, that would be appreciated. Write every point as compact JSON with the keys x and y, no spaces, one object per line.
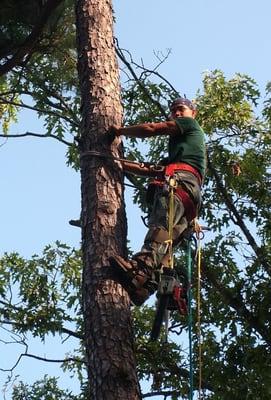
{"x":172,"y":185}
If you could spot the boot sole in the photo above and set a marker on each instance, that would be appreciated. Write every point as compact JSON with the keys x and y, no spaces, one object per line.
{"x":123,"y":278}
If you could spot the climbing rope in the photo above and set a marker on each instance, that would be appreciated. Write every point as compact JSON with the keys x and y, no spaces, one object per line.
{"x":198,"y":256}
{"x":190,"y":320}
{"x":199,"y":235}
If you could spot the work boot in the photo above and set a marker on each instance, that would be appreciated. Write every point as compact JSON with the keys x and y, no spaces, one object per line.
{"x":136,"y":277}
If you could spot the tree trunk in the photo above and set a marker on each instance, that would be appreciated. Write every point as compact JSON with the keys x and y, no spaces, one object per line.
{"x":106,"y":306}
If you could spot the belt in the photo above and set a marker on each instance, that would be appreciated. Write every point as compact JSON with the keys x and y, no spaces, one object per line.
{"x":172,"y":168}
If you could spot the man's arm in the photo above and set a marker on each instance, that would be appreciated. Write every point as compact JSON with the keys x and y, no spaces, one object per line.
{"x":142,"y":169}
{"x":147,"y":130}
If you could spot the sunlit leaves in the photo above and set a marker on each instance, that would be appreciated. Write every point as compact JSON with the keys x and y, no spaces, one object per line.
{"x":8,"y":111}
{"x":44,"y":289}
{"x":226,"y":104}
{"x":45,"y":389}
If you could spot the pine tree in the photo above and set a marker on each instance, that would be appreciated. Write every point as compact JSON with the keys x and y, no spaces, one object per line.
{"x":108,"y":329}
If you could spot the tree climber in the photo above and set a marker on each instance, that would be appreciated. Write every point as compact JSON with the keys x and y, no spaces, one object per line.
{"x":186,"y":163}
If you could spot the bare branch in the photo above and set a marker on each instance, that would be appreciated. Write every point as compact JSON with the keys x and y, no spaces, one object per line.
{"x":71,"y":333}
{"x":75,"y":222}
{"x":154,"y":72}
{"x":164,"y":393}
{"x":140,"y":84}
{"x":39,"y":135}
{"x":51,"y":360}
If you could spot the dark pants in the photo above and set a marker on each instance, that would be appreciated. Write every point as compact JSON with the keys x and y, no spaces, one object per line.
{"x":155,"y":244}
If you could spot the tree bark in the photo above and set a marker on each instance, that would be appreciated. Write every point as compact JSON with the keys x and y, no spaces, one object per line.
{"x":106,"y":306}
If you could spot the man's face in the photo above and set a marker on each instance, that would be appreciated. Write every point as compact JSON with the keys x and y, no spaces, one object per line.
{"x":182,"y":110}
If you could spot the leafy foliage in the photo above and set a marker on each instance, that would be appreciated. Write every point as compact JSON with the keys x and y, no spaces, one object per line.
{"x":43,"y":286}
{"x":47,"y":82}
{"x":40,"y":296}
{"x":8,"y":112}
{"x":45,"y":389}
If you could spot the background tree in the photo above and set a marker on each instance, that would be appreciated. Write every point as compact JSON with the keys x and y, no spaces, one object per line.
{"x":236,"y":270}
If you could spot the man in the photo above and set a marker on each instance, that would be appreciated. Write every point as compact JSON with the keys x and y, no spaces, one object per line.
{"x":186,"y":164}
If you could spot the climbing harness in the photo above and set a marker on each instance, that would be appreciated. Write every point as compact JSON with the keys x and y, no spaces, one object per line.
{"x":171,"y":295}
{"x":179,"y":190}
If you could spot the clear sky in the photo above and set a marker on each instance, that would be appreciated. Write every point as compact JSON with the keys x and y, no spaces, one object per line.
{"x":40,"y":194}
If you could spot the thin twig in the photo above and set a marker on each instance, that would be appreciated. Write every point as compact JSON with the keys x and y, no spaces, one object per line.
{"x":140,"y":84}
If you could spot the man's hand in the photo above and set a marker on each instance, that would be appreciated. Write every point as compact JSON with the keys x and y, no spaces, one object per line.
{"x":114,"y":131}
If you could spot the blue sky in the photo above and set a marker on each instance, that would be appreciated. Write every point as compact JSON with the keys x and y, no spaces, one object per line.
{"x":40,"y":194}
{"x":231,"y":35}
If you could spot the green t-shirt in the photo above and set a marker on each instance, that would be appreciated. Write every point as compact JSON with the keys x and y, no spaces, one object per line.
{"x":189,"y":145}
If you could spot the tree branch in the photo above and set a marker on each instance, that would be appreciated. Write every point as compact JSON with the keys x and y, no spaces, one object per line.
{"x":60,"y":330}
{"x":174,"y":368}
{"x":147,"y":72}
{"x":29,"y":44}
{"x":40,"y":110}
{"x":63,"y":106}
{"x":238,"y":220}
{"x":164,"y":393}
{"x":140,"y":84}
{"x":41,"y":359}
{"x":39,"y":135}
{"x":236,"y":302}
{"x":52,"y":360}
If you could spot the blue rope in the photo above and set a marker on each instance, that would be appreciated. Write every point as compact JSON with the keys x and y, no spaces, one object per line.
{"x":189,"y":275}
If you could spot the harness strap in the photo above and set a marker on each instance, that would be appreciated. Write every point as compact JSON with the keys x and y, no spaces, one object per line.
{"x":189,"y":206}
{"x":172,"y":168}
{"x":190,"y":209}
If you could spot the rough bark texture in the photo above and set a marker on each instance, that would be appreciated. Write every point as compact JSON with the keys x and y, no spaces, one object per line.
{"x":108,"y":328}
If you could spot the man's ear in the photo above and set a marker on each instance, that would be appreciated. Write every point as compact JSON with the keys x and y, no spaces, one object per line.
{"x":194,"y":113}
